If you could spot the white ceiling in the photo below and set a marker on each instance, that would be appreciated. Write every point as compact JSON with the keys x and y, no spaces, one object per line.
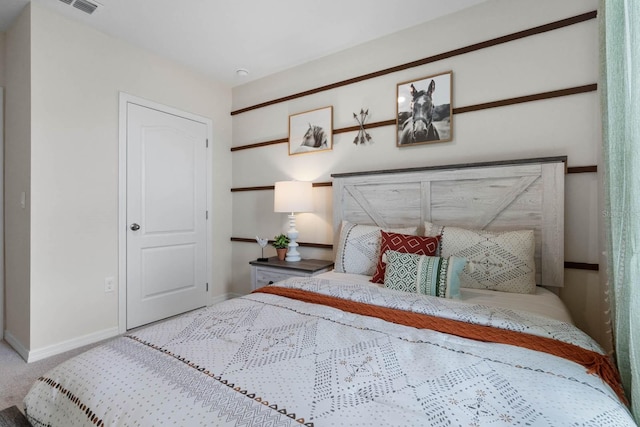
{"x":218,"y":37}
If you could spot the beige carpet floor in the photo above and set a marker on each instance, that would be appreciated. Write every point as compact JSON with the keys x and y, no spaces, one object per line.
{"x":17,"y":376}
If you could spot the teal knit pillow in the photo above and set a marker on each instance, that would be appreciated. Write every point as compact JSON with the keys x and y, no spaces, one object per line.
{"x":423,"y":274}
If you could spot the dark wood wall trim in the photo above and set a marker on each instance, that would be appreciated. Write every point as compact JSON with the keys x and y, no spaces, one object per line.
{"x":261,"y":144}
{"x":460,"y":51}
{"x":271,"y":187}
{"x":460,"y":110}
{"x":529,"y":98}
{"x":261,"y":188}
{"x":581,"y":266}
{"x":583,"y":169}
{"x":335,"y":132}
{"x":567,"y":264}
{"x":366,"y":126}
{"x":305,"y":244}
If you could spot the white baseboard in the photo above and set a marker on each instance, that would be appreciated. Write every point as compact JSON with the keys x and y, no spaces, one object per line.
{"x":72,"y":344}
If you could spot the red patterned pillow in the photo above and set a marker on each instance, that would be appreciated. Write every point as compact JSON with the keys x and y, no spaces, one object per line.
{"x":406,"y":244}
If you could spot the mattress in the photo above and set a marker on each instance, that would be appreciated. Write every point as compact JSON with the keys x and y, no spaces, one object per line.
{"x":328,"y":351}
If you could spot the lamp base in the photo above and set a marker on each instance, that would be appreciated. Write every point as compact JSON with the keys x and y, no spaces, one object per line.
{"x":263,"y":259}
{"x":292,"y":258}
{"x":292,"y":253}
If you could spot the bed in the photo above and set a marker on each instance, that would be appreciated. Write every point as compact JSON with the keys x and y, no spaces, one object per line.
{"x":337,"y":349}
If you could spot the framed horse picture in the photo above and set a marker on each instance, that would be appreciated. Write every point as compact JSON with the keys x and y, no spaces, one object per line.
{"x":424,"y":112}
{"x":311,"y":131}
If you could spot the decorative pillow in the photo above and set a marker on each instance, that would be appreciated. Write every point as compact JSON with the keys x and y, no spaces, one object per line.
{"x":359,"y":246}
{"x":428,"y":275}
{"x":404,"y":243}
{"x":500,"y":261}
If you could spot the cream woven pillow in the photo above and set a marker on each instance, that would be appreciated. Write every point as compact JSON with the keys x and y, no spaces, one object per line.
{"x":359,"y":247}
{"x":500,"y":261}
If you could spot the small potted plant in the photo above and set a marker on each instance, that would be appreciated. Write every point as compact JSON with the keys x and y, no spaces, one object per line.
{"x":281,"y":243}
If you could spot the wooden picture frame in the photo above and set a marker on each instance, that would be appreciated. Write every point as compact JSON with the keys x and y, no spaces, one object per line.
{"x":428,"y":101}
{"x":311,"y":131}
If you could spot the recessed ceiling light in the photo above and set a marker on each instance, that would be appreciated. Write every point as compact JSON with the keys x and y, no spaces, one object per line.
{"x":242,"y":72}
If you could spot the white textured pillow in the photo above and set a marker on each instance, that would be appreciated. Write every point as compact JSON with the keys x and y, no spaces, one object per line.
{"x":500,"y":261}
{"x":359,"y":246}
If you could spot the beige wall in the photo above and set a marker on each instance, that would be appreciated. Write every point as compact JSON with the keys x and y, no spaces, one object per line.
{"x":76,"y":76}
{"x":563,"y":126}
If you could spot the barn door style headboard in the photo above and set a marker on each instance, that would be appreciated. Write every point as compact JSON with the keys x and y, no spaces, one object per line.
{"x":495,"y":196}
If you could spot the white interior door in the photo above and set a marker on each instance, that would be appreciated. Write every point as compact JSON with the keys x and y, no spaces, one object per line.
{"x":166,"y":215}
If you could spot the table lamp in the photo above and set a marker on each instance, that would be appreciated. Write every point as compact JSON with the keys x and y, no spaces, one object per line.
{"x":292,"y":197}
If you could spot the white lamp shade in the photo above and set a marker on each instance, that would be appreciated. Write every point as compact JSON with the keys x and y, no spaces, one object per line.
{"x":292,"y":196}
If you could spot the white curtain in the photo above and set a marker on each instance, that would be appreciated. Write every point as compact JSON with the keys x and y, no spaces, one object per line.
{"x":620,"y":91}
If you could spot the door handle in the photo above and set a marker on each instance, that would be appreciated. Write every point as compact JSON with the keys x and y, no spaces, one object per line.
{"x":134,"y":227}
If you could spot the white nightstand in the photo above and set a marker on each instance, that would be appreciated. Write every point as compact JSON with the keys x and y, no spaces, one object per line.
{"x":267,"y":272}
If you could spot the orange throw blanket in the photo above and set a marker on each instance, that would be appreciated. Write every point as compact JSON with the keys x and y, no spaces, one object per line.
{"x":594,"y":362}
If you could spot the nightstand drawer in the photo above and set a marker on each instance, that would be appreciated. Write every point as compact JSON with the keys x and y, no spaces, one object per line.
{"x":264,"y":273}
{"x":267,"y":276}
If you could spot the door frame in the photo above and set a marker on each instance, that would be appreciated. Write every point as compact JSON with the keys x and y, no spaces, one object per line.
{"x":124,"y":100}
{"x":2,"y":201}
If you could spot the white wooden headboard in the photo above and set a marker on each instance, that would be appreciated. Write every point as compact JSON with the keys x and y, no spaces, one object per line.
{"x":507,"y":195}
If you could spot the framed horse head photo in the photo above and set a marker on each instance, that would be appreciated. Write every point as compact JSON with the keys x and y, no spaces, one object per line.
{"x":311,"y":131}
{"x":424,"y":112}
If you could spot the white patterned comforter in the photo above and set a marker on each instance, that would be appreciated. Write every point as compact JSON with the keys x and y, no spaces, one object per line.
{"x":268,"y":360}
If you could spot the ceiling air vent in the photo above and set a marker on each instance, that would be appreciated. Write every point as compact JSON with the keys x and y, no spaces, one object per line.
{"x":83,"y":5}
